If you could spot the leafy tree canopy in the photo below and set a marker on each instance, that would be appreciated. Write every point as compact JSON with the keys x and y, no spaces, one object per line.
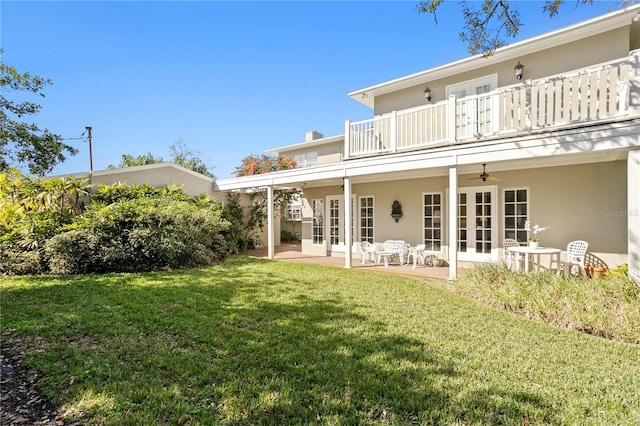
{"x":255,"y":165}
{"x":180,"y":155}
{"x":486,"y":22}
{"x":24,"y":143}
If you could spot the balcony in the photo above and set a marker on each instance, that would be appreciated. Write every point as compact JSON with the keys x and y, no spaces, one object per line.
{"x":590,"y":95}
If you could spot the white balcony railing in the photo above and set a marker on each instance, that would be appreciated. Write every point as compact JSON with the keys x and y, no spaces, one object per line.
{"x":588,"y":95}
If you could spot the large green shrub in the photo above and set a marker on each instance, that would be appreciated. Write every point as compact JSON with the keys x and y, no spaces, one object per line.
{"x":46,"y":226}
{"x":142,"y":234}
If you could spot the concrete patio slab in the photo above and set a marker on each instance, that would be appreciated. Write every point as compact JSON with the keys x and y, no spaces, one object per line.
{"x":292,"y":253}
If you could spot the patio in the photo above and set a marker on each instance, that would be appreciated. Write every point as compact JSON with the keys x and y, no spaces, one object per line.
{"x":287,"y":252}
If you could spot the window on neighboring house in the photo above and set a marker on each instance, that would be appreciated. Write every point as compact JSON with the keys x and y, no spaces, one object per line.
{"x":433,"y":221}
{"x":318,"y":221}
{"x":516,"y":213}
{"x":366,"y":219}
{"x":306,"y":159}
{"x":293,"y":212}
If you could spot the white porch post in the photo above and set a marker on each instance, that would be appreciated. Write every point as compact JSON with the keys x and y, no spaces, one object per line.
{"x":453,"y":222}
{"x":633,"y":213}
{"x":347,"y":222}
{"x":270,"y":224}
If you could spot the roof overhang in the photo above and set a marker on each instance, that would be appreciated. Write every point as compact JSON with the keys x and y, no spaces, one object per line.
{"x":600,"y":24}
{"x":137,"y":169}
{"x":306,"y":145}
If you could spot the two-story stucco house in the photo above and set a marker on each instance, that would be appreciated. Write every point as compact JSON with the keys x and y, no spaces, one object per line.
{"x":546,"y":129}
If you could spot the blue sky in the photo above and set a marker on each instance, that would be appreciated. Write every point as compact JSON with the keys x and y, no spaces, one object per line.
{"x":228,"y":79}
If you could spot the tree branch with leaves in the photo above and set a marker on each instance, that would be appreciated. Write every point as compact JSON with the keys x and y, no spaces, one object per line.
{"x":256,"y":213}
{"x":486,"y":25}
{"x":23,"y":143}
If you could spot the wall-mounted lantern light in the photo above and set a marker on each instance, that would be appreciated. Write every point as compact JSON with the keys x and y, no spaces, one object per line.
{"x":396,"y":211}
{"x":427,"y":96}
{"x":518,"y":69}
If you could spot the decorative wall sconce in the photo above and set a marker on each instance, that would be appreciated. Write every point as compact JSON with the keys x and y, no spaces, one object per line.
{"x":518,"y":69}
{"x":427,"y":96}
{"x":396,"y":211}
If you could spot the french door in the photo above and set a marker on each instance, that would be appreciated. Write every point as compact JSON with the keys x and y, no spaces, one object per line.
{"x":477,"y":224}
{"x":336,"y":222}
{"x":475,"y":109}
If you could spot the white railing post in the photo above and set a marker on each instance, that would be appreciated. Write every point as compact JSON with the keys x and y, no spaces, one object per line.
{"x":634,"y":82}
{"x":347,"y":140}
{"x":392,"y":130}
{"x":451,"y":119}
{"x":527,"y":103}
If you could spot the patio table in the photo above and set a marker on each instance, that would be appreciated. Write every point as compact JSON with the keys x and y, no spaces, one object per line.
{"x":385,"y":256}
{"x":536,"y":252}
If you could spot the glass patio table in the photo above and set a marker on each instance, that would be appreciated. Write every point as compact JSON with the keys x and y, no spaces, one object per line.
{"x":531,"y":253}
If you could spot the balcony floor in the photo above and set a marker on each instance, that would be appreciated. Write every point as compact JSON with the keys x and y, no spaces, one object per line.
{"x":292,"y":253}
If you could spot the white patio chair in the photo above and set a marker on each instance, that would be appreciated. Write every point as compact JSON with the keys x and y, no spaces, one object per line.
{"x":367,"y":252}
{"x":417,"y":254}
{"x":576,"y":251}
{"x":511,"y":258}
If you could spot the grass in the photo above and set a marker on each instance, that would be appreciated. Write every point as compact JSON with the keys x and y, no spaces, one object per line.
{"x":253,"y":341}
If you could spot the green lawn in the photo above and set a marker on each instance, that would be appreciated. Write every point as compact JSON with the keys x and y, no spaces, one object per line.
{"x":253,"y":341}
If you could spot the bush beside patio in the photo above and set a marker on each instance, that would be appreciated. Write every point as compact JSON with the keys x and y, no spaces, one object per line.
{"x":253,"y":341}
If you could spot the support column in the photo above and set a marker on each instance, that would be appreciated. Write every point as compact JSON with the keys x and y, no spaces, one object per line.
{"x":348,"y":246}
{"x":453,"y":222}
{"x":633,"y":213}
{"x":270,"y":224}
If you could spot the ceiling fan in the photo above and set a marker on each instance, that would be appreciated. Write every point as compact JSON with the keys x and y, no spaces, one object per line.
{"x":484,"y":176}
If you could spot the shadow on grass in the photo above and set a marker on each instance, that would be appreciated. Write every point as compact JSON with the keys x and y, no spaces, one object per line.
{"x":237,"y":344}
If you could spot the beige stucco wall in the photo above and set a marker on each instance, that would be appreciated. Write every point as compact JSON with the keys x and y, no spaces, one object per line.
{"x":577,"y":202}
{"x":156,"y":177}
{"x":327,"y":153}
{"x":593,"y":50}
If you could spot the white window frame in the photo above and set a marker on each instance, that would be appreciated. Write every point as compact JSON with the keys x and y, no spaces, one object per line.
{"x":293,"y":213}
{"x":317,"y":230}
{"x":516,"y":215}
{"x":441,"y":239}
{"x":306,"y":159}
{"x":373,"y":218}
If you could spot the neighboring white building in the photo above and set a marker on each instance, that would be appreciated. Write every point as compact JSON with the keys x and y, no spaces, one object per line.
{"x":561,"y":148}
{"x":155,"y":175}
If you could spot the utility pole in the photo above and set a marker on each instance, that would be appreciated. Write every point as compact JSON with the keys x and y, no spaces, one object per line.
{"x":90,"y":151}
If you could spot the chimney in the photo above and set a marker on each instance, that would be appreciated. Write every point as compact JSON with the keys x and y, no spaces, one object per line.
{"x":312,"y":135}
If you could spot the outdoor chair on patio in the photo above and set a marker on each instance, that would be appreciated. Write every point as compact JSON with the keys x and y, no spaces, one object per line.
{"x":511,"y":258}
{"x":417,"y":254}
{"x":367,"y":252}
{"x":576,"y":251}
{"x":392,"y":249}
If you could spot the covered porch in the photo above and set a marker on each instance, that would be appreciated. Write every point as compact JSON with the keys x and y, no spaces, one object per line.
{"x":590,"y":193}
{"x":287,"y":252}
